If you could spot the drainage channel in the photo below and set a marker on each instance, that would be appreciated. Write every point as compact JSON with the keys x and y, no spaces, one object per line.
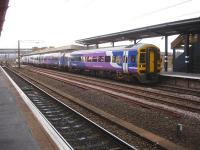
{"x":77,"y":130}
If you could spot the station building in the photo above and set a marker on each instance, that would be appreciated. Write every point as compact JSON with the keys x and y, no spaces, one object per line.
{"x":192,"y":59}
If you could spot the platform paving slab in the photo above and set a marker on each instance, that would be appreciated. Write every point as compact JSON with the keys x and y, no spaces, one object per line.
{"x":14,"y":133}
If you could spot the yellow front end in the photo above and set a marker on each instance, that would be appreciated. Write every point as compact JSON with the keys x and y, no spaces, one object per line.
{"x":149,"y":63}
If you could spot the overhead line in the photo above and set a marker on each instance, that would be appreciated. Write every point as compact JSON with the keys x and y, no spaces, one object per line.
{"x":162,"y":9}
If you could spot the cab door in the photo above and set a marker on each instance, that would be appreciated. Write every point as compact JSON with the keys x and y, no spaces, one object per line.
{"x":125,"y":62}
{"x":152,"y":60}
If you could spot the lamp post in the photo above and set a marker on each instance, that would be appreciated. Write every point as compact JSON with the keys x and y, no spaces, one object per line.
{"x":18,"y":53}
{"x":25,"y":41}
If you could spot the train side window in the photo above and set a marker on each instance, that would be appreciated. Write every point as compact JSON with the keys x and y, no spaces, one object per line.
{"x":86,"y":59}
{"x":133,"y":59}
{"x":118,"y":60}
{"x":114,"y":59}
{"x":107,"y":58}
{"x":89,"y":59}
{"x":83,"y":59}
{"x":94,"y":59}
{"x":72,"y":58}
{"x":76,"y":58}
{"x":101,"y":59}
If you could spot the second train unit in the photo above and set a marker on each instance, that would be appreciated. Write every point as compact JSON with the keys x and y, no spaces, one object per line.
{"x":140,"y":61}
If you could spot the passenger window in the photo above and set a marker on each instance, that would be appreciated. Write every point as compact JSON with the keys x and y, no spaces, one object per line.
{"x":118,"y":60}
{"x":101,"y":59}
{"x":94,"y":59}
{"x":83,"y":59}
{"x":114,"y":59}
{"x":86,"y":59}
{"x":132,"y":58}
{"x":89,"y":59}
{"x":107,"y":58}
{"x":76,"y":58}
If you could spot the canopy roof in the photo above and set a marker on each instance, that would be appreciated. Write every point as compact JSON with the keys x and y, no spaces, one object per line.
{"x":165,"y":29}
{"x":3,"y":9}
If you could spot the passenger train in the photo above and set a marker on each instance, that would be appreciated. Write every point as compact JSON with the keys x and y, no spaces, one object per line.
{"x":139,"y":61}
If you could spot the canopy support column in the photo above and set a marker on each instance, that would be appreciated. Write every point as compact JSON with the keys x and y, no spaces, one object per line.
{"x":113,"y":44}
{"x":18,"y":53}
{"x":174,"y":57}
{"x":187,"y":55}
{"x":166,"y":54}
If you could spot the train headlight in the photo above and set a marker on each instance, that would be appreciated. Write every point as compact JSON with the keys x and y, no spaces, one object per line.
{"x":141,"y":66}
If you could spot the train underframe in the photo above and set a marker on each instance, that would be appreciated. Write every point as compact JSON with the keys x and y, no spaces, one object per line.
{"x":128,"y":77}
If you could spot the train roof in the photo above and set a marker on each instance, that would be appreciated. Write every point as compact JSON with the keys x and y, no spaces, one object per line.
{"x":76,"y":52}
{"x":98,"y":50}
{"x":68,"y":48}
{"x":127,"y":47}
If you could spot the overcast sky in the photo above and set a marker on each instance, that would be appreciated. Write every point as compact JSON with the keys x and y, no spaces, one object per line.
{"x":61,"y":22}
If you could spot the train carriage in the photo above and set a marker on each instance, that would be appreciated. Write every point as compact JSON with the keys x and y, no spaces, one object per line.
{"x":141,"y":61}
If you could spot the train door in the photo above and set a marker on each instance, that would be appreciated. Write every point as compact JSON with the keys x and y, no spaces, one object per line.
{"x":125,"y":62}
{"x":67,"y":60}
{"x":131,"y":60}
{"x":61,"y":60}
{"x":151,"y":60}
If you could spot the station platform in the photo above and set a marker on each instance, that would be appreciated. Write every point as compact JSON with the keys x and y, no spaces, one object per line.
{"x":18,"y":127}
{"x":181,"y":75}
{"x":186,"y":80}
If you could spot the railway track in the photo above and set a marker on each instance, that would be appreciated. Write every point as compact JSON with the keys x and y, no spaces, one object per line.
{"x":125,"y":91}
{"x":157,"y":141}
{"x":180,"y":90}
{"x":77,"y":131}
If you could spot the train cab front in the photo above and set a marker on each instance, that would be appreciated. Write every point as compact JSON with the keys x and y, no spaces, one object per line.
{"x":149,"y":63}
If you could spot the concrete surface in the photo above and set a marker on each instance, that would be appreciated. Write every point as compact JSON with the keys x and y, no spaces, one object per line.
{"x":14,"y":133}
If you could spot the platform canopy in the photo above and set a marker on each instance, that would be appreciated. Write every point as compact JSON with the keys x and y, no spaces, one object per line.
{"x":3,"y":9}
{"x":165,"y":29}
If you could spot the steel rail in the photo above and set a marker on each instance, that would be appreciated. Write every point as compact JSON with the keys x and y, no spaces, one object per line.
{"x":120,"y":92}
{"x":107,"y":133}
{"x":60,"y":142}
{"x":129,"y":87}
{"x":157,"y":140}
